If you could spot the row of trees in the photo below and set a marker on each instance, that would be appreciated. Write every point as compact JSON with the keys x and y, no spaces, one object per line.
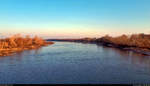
{"x":135,"y":40}
{"x":17,"y":41}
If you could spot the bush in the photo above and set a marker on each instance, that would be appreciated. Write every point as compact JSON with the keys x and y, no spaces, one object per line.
{"x":17,"y":41}
{"x":135,"y":40}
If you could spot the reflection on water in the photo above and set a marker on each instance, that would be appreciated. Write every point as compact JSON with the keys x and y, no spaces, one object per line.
{"x":18,"y":55}
{"x":66,"y":62}
{"x":132,"y":57}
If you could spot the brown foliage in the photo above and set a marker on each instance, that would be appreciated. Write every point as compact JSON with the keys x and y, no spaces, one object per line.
{"x":135,"y":40}
{"x":17,"y":42}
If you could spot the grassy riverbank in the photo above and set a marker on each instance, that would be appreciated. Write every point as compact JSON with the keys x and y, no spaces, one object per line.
{"x":17,"y":43}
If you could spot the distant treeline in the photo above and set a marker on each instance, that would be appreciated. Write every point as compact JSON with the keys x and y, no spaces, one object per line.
{"x":135,"y":42}
{"x":18,"y":43}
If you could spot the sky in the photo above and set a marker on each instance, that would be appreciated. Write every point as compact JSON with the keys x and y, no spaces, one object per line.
{"x":74,"y":18}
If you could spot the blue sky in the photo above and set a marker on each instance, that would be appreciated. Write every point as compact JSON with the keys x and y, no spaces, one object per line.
{"x":74,"y":18}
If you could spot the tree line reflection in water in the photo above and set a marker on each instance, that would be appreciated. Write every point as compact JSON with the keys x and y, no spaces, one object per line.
{"x":134,"y":58}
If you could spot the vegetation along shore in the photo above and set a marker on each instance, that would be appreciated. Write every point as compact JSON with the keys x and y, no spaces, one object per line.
{"x":139,"y":43}
{"x":17,"y":43}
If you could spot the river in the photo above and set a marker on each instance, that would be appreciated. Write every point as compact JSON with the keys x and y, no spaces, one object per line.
{"x":75,"y":63}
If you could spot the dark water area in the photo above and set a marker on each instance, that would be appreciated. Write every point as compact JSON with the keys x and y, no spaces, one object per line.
{"x":75,"y":63}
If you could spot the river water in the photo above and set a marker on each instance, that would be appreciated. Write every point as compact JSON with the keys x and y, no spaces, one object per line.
{"x":75,"y":63}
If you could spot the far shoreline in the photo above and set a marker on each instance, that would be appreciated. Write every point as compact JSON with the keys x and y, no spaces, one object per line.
{"x":138,"y":43}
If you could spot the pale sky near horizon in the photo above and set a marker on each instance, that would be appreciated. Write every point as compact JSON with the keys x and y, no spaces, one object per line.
{"x":74,"y":18}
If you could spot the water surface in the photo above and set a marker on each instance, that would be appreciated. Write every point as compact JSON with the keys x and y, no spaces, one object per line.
{"x":75,"y":63}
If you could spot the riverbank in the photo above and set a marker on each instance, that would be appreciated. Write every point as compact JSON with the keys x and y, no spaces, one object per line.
{"x":138,"y":43}
{"x":17,"y":43}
